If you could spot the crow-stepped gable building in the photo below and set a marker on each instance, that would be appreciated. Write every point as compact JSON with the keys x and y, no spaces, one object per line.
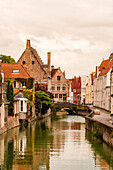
{"x":31,"y":60}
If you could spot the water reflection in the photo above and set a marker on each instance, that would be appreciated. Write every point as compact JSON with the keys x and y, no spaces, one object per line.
{"x":54,"y":144}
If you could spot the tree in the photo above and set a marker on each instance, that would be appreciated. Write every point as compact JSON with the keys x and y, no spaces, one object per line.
{"x":10,"y":98}
{"x":43,"y":101}
{"x":7,"y":59}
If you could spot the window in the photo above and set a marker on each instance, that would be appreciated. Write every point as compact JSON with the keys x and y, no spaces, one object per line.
{"x":64,"y":87}
{"x":64,"y":97}
{"x":53,"y":87}
{"x":74,"y":90}
{"x":58,"y":87}
{"x":23,"y":62}
{"x":16,"y":71}
{"x":23,"y":84}
{"x":56,"y":96}
{"x":14,"y":84}
{"x":21,"y":106}
{"x":58,"y":78}
{"x":60,"y":96}
{"x":33,"y":62}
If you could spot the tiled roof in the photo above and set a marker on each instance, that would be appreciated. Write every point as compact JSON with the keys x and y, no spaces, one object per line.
{"x":19,"y":95}
{"x":8,"y":68}
{"x":53,"y":72}
{"x":103,"y":64}
{"x":107,"y":68}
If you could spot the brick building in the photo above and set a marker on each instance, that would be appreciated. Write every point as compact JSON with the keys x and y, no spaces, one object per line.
{"x":19,"y":78}
{"x":59,"y":85}
{"x":31,"y":60}
{"x":76,"y":86}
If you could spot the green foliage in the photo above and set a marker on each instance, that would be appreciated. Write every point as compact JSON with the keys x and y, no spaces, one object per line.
{"x":96,"y":131}
{"x":27,"y":94}
{"x":42,"y":101}
{"x":82,"y":108}
{"x":10,"y":98}
{"x":43,"y":98}
{"x":56,"y":108}
{"x":30,"y":110}
{"x":6,"y":59}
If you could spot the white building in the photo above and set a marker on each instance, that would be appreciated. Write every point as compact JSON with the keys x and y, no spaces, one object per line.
{"x":102,"y":97}
{"x":89,"y":89}
{"x":70,"y":97}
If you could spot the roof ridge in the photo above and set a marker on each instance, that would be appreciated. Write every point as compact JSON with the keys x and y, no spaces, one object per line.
{"x":26,"y":70}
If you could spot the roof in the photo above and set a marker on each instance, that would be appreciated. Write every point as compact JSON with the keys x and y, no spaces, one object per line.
{"x":107,"y":68}
{"x":35,"y":54}
{"x":53,"y":72}
{"x":19,"y":95}
{"x":103,"y":64}
{"x":8,"y":68}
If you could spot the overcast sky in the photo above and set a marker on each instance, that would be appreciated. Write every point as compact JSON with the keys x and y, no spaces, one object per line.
{"x":79,"y":33}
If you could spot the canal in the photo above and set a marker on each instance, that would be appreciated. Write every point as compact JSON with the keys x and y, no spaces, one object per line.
{"x":59,"y":143}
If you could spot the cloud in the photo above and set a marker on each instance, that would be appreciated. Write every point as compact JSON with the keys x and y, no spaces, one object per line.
{"x":78,"y":33}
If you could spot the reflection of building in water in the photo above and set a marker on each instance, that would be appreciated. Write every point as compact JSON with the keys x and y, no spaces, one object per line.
{"x":20,"y":144}
{"x":1,"y":153}
{"x":75,"y":126}
{"x":100,"y":162}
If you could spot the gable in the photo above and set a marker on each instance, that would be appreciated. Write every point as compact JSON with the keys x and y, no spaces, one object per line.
{"x":33,"y":63}
{"x":58,"y":72}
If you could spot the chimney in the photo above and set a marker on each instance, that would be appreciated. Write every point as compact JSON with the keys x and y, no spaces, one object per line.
{"x":49,"y":61}
{"x":52,"y":67}
{"x":28,"y":45}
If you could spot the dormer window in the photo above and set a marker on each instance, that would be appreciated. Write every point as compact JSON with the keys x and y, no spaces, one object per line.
{"x":16,"y":71}
{"x":33,"y":62}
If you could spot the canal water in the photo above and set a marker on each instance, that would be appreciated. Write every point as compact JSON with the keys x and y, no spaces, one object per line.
{"x":59,"y":143}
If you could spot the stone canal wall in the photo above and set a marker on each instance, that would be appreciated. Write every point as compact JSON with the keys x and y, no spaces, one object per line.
{"x":100,"y":130}
{"x":12,"y":122}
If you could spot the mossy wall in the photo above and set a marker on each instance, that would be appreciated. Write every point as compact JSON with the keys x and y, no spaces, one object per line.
{"x":100,"y":130}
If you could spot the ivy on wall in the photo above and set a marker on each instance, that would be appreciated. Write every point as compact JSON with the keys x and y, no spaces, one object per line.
{"x":10,"y":98}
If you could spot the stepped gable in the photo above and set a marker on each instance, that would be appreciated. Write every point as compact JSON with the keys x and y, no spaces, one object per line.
{"x":8,"y":69}
{"x":53,"y":72}
{"x":36,"y":55}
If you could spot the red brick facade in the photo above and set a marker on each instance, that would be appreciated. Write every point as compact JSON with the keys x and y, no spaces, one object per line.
{"x":76,"y":90}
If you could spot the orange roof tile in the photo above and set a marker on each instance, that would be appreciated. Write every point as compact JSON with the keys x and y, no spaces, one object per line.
{"x":103,"y":64}
{"x":8,"y":68}
{"x":109,"y":66}
{"x":107,"y":69}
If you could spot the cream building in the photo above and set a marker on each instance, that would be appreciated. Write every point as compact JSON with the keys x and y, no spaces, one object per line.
{"x":89,"y":89}
{"x":59,"y":85}
{"x":84,"y":81}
